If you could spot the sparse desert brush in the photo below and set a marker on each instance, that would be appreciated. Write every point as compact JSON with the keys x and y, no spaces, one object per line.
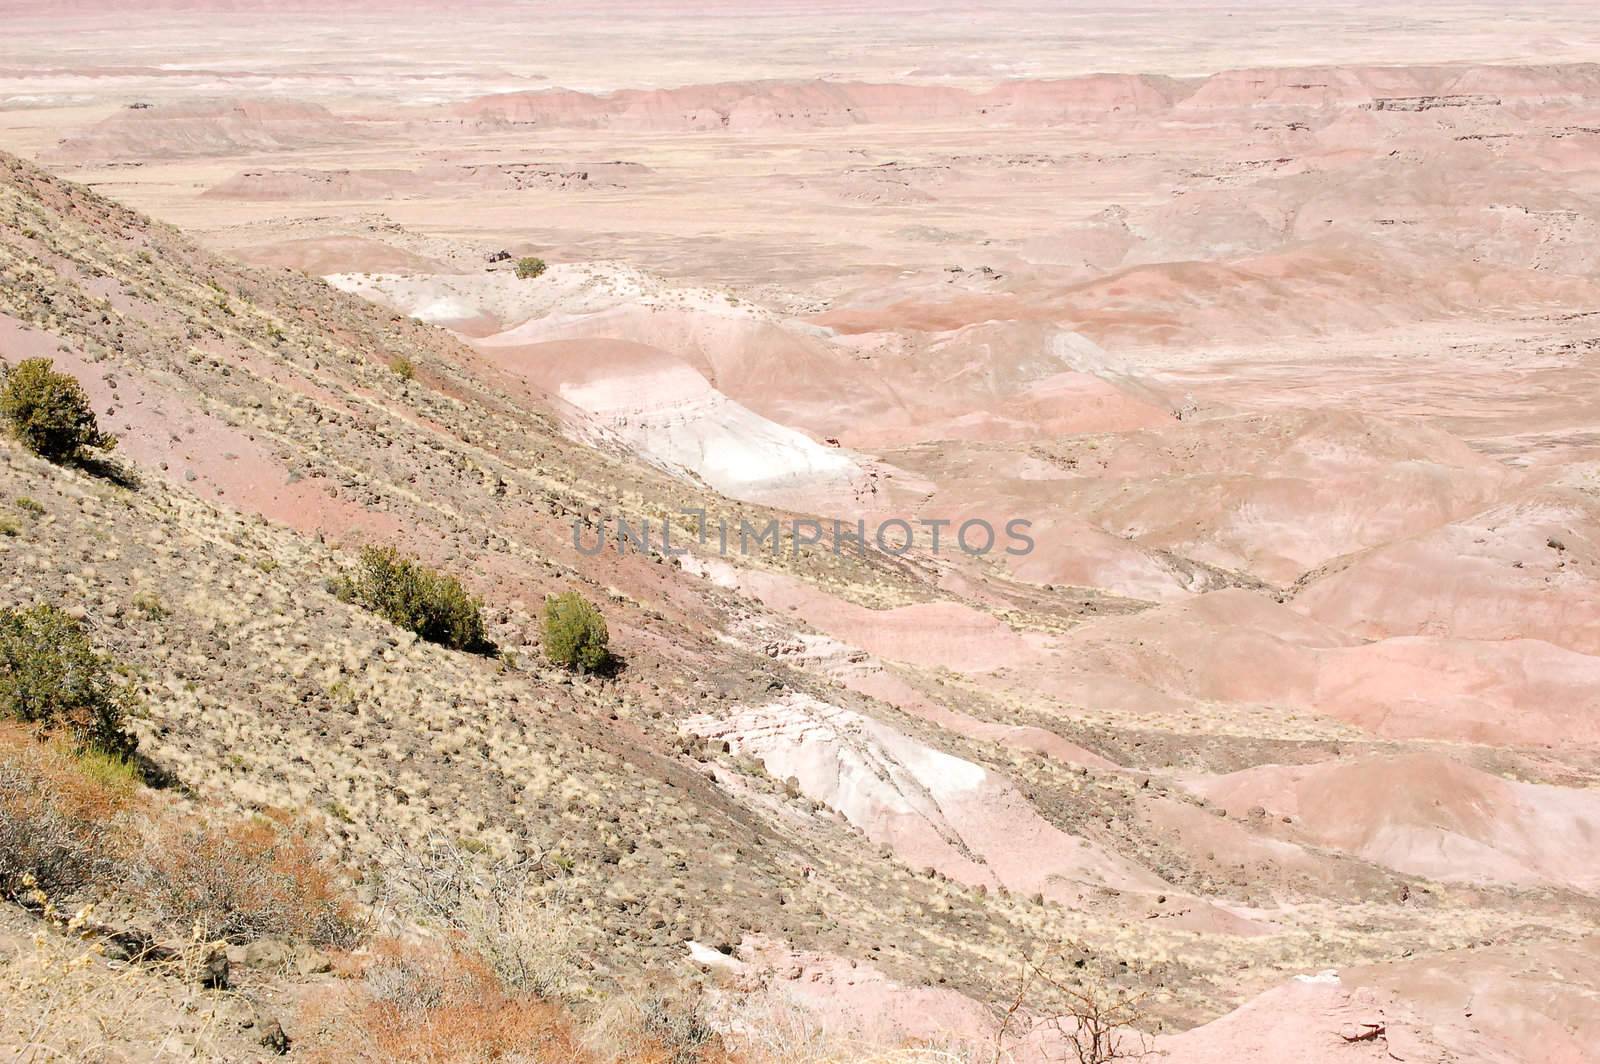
{"x":432,"y":604}
{"x":1090,"y":1022}
{"x":767,"y":1026}
{"x":60,"y":1001}
{"x":69,"y":822}
{"x":52,"y":677}
{"x":404,"y":368}
{"x":575,"y":634}
{"x":49,"y":412}
{"x":671,"y":1027}
{"x":491,"y":904}
{"x":529,"y":267}
{"x":243,"y":880}
{"x":64,"y":822}
{"x":435,"y":1003}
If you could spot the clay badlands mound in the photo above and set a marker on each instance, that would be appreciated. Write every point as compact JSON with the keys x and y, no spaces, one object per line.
{"x":1097,"y":532}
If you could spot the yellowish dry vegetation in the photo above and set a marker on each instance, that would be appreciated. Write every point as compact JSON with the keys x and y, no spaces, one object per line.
{"x":60,"y":1000}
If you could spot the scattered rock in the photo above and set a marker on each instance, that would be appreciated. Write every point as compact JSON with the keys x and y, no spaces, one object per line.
{"x":268,"y":954}
{"x":213,"y":974}
{"x":272,"y":1036}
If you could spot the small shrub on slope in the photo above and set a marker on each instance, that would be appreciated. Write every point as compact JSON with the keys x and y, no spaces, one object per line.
{"x":49,"y":412}
{"x":434,"y":605}
{"x":529,"y":267}
{"x":575,"y":633}
{"x":52,"y":677}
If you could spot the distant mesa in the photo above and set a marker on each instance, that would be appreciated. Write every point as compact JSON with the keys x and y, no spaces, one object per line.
{"x":207,"y":128}
{"x":146,"y":130}
{"x":820,"y":103}
{"x":289,"y":185}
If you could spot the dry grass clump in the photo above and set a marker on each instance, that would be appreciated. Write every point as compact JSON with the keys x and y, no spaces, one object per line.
{"x":81,"y":823}
{"x":766,"y":1026}
{"x":60,"y":1001}
{"x":896,"y":1055}
{"x":64,"y":819}
{"x":75,"y":821}
{"x":69,"y":822}
{"x":243,"y":880}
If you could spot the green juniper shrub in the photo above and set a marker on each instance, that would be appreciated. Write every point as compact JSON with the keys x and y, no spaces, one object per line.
{"x":432,"y":604}
{"x":575,"y":633}
{"x":529,"y":267}
{"x":49,"y":412}
{"x":51,"y":676}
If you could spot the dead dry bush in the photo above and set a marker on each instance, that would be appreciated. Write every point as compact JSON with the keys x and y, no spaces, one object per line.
{"x":243,"y":880}
{"x":1084,"y":1021}
{"x":433,"y":1003}
{"x":76,"y":821}
{"x":661,"y":1027}
{"x":503,"y":908}
{"x":65,"y":821}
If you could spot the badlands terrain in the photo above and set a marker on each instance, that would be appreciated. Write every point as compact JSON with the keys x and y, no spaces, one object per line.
{"x":1280,"y":328}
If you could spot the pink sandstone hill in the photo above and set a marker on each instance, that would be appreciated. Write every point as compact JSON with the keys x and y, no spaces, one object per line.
{"x":1427,"y":814}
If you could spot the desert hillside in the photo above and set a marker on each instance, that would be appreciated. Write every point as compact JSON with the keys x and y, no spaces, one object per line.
{"x":1264,"y":725}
